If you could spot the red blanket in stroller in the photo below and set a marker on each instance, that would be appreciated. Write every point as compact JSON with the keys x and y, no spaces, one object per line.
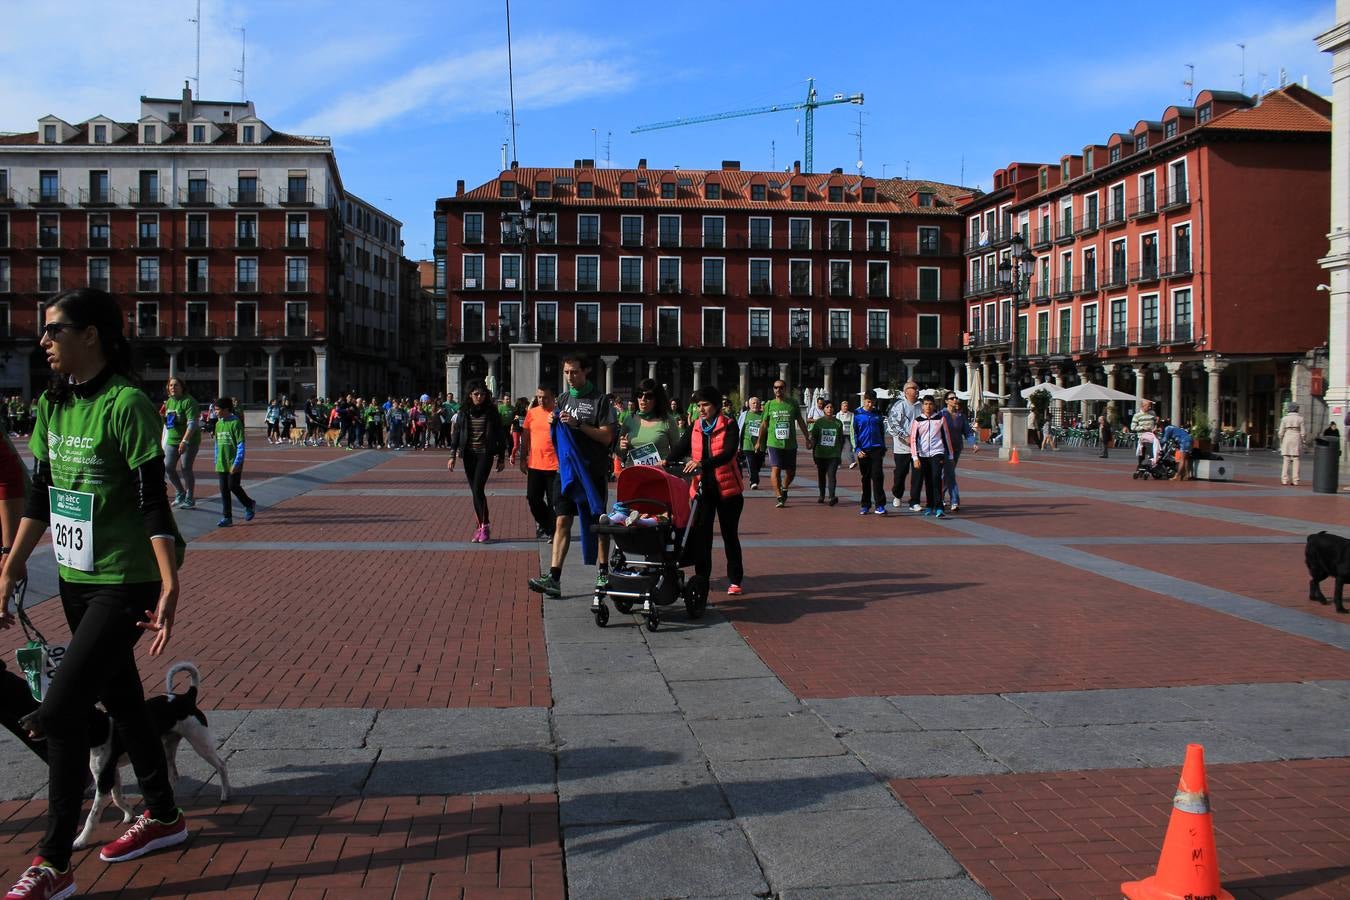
{"x":651,"y":491}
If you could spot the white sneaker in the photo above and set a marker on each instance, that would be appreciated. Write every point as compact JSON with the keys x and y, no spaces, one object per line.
{"x":896,"y":502}
{"x":915,"y":507}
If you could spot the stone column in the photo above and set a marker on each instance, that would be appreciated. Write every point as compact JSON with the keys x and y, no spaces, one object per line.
{"x":783,"y":375}
{"x":321,"y":371}
{"x":1003,"y":381}
{"x":744,"y":381}
{"x":491,"y":359}
{"x":272,"y":372}
{"x":1058,"y":405}
{"x":608,"y":362}
{"x":1213,"y":368}
{"x":1140,"y":386}
{"x":651,"y":369}
{"x":454,"y":363}
{"x":827,"y":364}
{"x":1335,"y":41}
{"x":1110,"y":369}
{"x":970,"y":376}
{"x":956,"y":373}
{"x":1174,"y":407}
{"x":984,"y":373}
{"x":173,"y":363}
{"x":698,"y":374}
{"x":864,"y":379}
{"x":221,"y":353}
{"x":910,"y":366}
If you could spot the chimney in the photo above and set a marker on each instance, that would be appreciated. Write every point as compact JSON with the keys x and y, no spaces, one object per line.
{"x":459,"y":188}
{"x":731,"y":165}
{"x":588,"y":164}
{"x":836,"y":171}
{"x":642,"y":163}
{"x":796,"y":167}
{"x":186,"y":109}
{"x":576,"y":164}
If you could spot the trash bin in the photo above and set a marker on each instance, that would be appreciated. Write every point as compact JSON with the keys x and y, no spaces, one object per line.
{"x":1326,"y":464}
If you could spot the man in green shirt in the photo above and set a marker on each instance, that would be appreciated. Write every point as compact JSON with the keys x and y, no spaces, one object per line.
{"x":181,"y":440}
{"x":750,"y":424}
{"x":827,"y":433}
{"x":780,"y":414}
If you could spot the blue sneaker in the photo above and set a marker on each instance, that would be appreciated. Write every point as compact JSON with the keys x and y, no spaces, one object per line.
{"x":179,"y":497}
{"x":880,"y":510}
{"x":939,"y":515}
{"x":864,"y":511}
{"x":249,"y":512}
{"x":188,"y":502}
{"x":926,"y":512}
{"x":225,"y":522}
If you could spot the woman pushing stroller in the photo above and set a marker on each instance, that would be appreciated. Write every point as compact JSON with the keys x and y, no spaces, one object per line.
{"x":711,"y":445}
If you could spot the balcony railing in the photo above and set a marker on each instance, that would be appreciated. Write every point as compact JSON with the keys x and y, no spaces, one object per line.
{"x":199,"y":285}
{"x":147,"y":242}
{"x":1086,"y":343}
{"x":1042,"y":237}
{"x":586,"y":238}
{"x":471,"y":283}
{"x":297,"y":242}
{"x":51,"y":197}
{"x":759,"y":243}
{"x":147,"y":285}
{"x":6,"y":196}
{"x":713,"y":287}
{"x":1176,"y":266}
{"x":1086,"y":223}
{"x":1115,"y":214}
{"x":1116,"y":278}
{"x":713,"y":241}
{"x":1143,"y":272}
{"x":48,"y":284}
{"x":760,"y":287}
{"x":200,"y":242}
{"x":545,"y":284}
{"x":588,"y":284}
{"x":142,"y":196}
{"x":630,"y":286}
{"x":667,"y":338}
{"x":668,"y":287}
{"x":839,"y":242}
{"x":1064,"y":233}
{"x":631,"y":240}
{"x":1116,"y":340}
{"x":1144,"y":205}
{"x":838,"y":290}
{"x":197,"y":196}
{"x":1085,"y":284}
{"x":95,"y":197}
{"x":1179,"y":333}
{"x":1144,"y":336}
{"x":244,"y":286}
{"x":49,"y":240}
{"x":1063,"y":287}
{"x":989,"y":337}
{"x":1175,"y":195}
{"x":982,"y":240}
{"x":875,"y":289}
{"x":799,"y":243}
{"x":877,"y":243}
{"x":668,"y":240}
{"x":305,"y":196}
{"x":297,"y":285}
{"x":254,"y":196}
{"x":799,"y":287}
{"x":1039,"y":292}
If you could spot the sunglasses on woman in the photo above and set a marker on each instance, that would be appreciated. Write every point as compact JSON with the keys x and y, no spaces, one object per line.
{"x":52,"y":329}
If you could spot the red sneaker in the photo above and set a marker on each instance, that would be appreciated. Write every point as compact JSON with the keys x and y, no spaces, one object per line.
{"x":145,"y":836}
{"x":41,"y":882}
{"x":734,"y":589}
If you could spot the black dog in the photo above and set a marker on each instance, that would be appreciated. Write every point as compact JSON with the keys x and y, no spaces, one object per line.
{"x":1327,"y":555}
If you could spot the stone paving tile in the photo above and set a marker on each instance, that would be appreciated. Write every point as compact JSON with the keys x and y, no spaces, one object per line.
{"x":918,"y":754}
{"x":624,"y":741}
{"x":778,"y":737}
{"x":925,"y":889}
{"x":1102,"y":707}
{"x":432,"y":770}
{"x":696,"y":859}
{"x":1045,"y":516}
{"x":963,"y":713}
{"x":476,"y":728}
{"x":770,"y":787}
{"x":734,"y":698}
{"x":498,"y":846}
{"x":646,"y":794}
{"x":862,"y":714}
{"x":1280,"y":827}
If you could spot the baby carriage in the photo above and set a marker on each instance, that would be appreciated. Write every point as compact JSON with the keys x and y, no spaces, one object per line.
{"x":1166,"y":466}
{"x":645,"y":565}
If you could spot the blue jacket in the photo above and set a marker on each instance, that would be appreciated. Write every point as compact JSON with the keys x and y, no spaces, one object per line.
{"x":575,"y":482}
{"x":960,"y":427}
{"x":869,"y":432}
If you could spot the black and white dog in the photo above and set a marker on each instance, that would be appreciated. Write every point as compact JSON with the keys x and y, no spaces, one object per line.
{"x":174,"y":717}
{"x":1327,"y":555}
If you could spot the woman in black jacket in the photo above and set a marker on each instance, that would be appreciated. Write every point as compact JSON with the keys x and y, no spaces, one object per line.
{"x":478,"y":437}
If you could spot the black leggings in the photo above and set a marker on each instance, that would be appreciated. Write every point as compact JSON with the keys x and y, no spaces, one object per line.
{"x":477,"y":468}
{"x":930,"y":468}
{"x":756,"y":460}
{"x":904,"y":466}
{"x":539,"y":494}
{"x":230,"y":484}
{"x":99,"y":665}
{"x":873,"y":477}
{"x":728,"y":512}
{"x":826,"y":470}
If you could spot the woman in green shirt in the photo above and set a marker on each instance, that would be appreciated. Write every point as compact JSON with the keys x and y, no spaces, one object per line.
{"x":182,"y":440}
{"x":827,"y":439}
{"x":648,"y":435}
{"x":99,"y":484}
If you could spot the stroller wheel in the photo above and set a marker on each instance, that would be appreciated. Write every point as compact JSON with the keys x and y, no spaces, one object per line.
{"x":602,"y":616}
{"x":653,"y":621}
{"x":696,"y":596}
{"x":623,"y":606}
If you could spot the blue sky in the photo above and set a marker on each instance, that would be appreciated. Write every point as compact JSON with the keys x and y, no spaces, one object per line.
{"x":410,"y":90}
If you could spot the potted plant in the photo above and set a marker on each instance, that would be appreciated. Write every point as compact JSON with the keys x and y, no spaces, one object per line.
{"x":1040,"y":402}
{"x":1201,"y":431}
{"x":984,"y":422}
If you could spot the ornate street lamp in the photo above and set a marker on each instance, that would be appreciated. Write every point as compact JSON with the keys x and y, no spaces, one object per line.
{"x":801,"y":335}
{"x":1013,"y":272}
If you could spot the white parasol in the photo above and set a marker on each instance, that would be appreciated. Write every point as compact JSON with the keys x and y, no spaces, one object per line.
{"x":1055,"y":390}
{"x":1089,"y":391}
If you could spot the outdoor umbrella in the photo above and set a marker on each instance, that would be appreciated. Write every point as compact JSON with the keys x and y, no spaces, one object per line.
{"x":1089,"y":391}
{"x":976,"y":394}
{"x":1055,"y":390}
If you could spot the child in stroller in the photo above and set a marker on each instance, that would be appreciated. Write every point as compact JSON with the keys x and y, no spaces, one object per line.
{"x":646,"y":562}
{"x":1164,"y":468}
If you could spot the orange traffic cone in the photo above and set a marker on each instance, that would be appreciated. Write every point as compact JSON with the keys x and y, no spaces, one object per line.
{"x":1188,"y":865}
{"x":1012,"y":458}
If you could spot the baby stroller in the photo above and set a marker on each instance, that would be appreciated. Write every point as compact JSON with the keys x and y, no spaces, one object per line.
{"x":1166,"y":466}
{"x":645,"y":565}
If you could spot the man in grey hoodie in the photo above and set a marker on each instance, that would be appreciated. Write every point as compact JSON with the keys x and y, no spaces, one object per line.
{"x":899,"y":418}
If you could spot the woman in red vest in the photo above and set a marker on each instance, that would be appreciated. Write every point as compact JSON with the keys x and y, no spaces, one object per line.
{"x":711,"y":443}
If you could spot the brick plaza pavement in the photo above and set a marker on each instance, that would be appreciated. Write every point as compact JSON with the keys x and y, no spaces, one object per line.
{"x":993,"y":705}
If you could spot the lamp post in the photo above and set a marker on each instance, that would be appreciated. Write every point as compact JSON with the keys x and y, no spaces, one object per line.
{"x":1012,"y":274}
{"x":520,"y":227}
{"x":801,"y":333}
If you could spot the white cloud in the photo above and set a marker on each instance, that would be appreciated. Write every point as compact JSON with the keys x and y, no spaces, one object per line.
{"x":549,"y":72}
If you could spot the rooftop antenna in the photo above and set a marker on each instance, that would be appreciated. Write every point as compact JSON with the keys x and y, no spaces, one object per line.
{"x":1284,"y":77}
{"x":243,"y":62}
{"x":1242,"y":76}
{"x":773,"y":155}
{"x":859,"y":135}
{"x":505,"y":146}
{"x":1189,"y":84}
{"x":511,"y":82}
{"x":963,"y":169}
{"x":1260,"y":83}
{"x":609,"y":142}
{"x":907,"y":170}
{"x":883,"y":169}
{"x":595,"y":144}
{"x":197,"y":21}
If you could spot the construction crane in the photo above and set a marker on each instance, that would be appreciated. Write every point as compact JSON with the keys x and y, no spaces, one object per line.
{"x":809,"y":105}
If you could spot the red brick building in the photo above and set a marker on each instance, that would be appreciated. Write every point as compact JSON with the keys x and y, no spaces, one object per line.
{"x":696,"y":276}
{"x":1177,"y":260}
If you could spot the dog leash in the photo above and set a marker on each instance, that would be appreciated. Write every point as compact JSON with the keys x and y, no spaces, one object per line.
{"x":30,"y":631}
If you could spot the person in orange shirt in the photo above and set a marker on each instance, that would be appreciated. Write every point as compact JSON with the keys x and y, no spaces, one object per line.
{"x":539,"y":462}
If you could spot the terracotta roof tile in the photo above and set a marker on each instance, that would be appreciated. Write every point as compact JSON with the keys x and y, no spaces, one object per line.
{"x":1288,"y":109}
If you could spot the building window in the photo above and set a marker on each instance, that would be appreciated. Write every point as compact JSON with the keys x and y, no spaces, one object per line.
{"x":100,"y":134}
{"x":760,"y":334}
{"x":1116,"y":211}
{"x":473,"y":272}
{"x":630,"y":323}
{"x":588,"y":273}
{"x":246,"y":231}
{"x":1181,"y":249}
{"x":509,"y":264}
{"x":714,"y":275}
{"x":49,"y":134}
{"x":1203,"y":114}
{"x":799,"y":234}
{"x":1148,"y":319}
{"x":297,"y":274}
{"x":878,"y":279}
{"x":543,"y":189}
{"x":878,"y":236}
{"x":471,"y":322}
{"x":799,"y":277}
{"x":929,"y":332}
{"x":546,"y":272}
{"x":546,"y":322}
{"x":588,"y":229}
{"x":147,"y":274}
{"x":4,"y":276}
{"x":799,"y":193}
{"x":930,"y":241}
{"x":926,"y":199}
{"x":1141,"y":142}
{"x":712,"y":191}
{"x":1115,"y":153}
{"x":759,"y":233}
{"x":878,"y":328}
{"x":841,"y":234}
{"x":1170,"y":129}
{"x":714,"y":327}
{"x":668,"y":274}
{"x":197,"y":190}
{"x":840,"y":278}
{"x":148,"y":182}
{"x":297,"y":230}
{"x":147,"y":231}
{"x":49,"y":274}
{"x":1089,"y":342}
{"x":628,"y":190}
{"x":1118,"y":320}
{"x":839,"y":328}
{"x":49,"y":186}
{"x":49,"y":231}
{"x":630,"y":274}
{"x":714,"y":231}
{"x":147,"y":319}
{"x":668,"y":326}
{"x":928,"y":284}
{"x":1087,"y":159}
{"x":473,"y":228}
{"x":631,"y":230}
{"x":836,"y":194}
{"x":1148,"y":199}
{"x":199,"y":134}
{"x":588,"y":323}
{"x":246,"y":275}
{"x":98,"y":273}
{"x":668,"y":190}
{"x":760,"y":280}
{"x":1181,"y":316}
{"x":585,"y":190}
{"x":506,"y":189}
{"x":668,"y":228}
